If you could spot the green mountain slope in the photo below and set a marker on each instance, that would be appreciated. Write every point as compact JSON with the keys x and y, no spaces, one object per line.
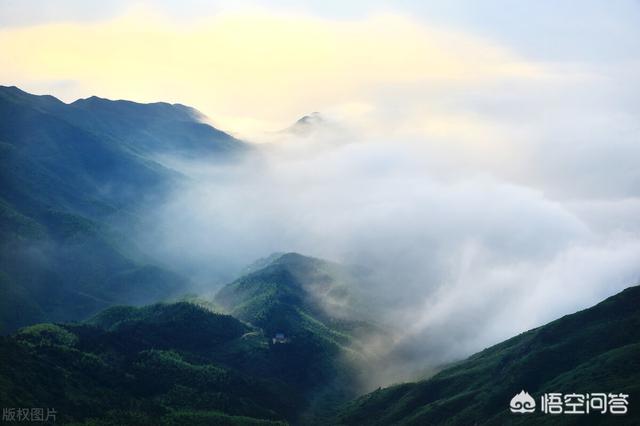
{"x":155,"y":128}
{"x":70,"y":176}
{"x":595,"y":350}
{"x":182,"y":363}
{"x":151,"y":365}
{"x":293,"y":295}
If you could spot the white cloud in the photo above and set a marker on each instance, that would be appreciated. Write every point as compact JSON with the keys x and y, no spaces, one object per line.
{"x":458,"y":262}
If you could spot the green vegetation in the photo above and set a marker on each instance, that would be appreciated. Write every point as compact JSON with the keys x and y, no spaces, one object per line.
{"x":153,"y":365}
{"x":595,"y":350}
{"x":183,"y":363}
{"x":289,"y":294}
{"x":286,"y":294}
{"x":70,"y":174}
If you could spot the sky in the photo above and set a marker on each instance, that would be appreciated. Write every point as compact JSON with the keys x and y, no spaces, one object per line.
{"x":257,"y":66}
{"x":482,"y":157}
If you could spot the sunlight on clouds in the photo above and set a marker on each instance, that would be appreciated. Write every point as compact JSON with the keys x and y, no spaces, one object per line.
{"x":249,"y":71}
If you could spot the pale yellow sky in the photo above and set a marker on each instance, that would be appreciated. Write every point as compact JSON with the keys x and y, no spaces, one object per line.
{"x":250,"y":71}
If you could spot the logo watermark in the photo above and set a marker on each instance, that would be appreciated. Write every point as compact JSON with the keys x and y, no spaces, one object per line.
{"x":522,"y":403}
{"x":572,"y":403}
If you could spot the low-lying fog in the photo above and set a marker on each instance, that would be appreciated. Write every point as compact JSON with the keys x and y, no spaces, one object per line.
{"x":473,"y":233}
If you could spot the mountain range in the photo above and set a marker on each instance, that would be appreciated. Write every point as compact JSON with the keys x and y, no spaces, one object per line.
{"x":285,"y":362}
{"x":279,"y":358}
{"x":74,"y":181}
{"x":97,"y":328}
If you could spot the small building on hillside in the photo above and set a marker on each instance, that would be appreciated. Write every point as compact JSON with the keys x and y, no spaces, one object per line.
{"x":279,"y":338}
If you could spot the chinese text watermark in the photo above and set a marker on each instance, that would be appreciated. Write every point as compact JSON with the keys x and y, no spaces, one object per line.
{"x":572,"y":403}
{"x":29,"y":415}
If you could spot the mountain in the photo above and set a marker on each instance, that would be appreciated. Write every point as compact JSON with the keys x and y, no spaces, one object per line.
{"x":75,"y":182}
{"x":157,"y":128}
{"x":311,"y":130}
{"x":288,"y":290}
{"x":595,"y":350}
{"x":160,"y":364}
{"x":306,"y":125}
{"x":94,"y":156}
{"x":154,"y":128}
{"x":308,"y":301}
{"x":181,"y":362}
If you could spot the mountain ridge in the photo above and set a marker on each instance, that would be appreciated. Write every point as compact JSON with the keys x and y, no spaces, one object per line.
{"x":75,"y":182}
{"x":478,"y":390}
{"x":298,"y":378}
{"x":164,"y":362}
{"x":134,"y":123}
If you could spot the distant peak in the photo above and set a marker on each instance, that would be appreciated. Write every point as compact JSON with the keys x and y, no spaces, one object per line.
{"x":307,"y":124}
{"x":93,"y":100}
{"x":314,"y":117}
{"x":90,"y":99}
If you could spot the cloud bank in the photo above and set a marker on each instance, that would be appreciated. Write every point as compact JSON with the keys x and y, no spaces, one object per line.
{"x":459,"y":258}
